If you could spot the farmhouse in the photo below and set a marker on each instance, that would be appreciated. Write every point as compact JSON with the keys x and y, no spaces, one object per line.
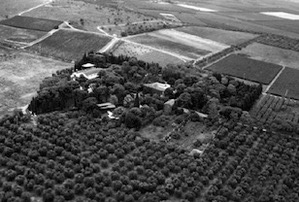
{"x":90,"y":73}
{"x":157,"y":87}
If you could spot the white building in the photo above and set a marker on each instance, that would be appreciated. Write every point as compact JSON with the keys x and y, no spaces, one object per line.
{"x":90,"y":73}
{"x":157,"y":87}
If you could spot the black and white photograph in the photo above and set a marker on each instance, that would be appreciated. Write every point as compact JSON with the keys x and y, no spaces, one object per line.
{"x":149,"y":100}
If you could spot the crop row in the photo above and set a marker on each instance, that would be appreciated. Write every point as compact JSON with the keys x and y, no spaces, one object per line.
{"x":279,"y":41}
{"x":76,"y":157}
{"x":276,"y":110}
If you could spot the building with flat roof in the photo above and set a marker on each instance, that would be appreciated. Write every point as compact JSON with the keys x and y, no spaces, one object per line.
{"x":157,"y":87}
{"x":90,"y":73}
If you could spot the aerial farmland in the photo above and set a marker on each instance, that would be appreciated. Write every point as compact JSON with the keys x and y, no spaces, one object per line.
{"x":69,"y":44}
{"x":149,"y":100}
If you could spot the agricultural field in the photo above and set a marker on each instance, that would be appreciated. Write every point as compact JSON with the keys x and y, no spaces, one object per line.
{"x":233,"y":15}
{"x":218,"y":35}
{"x":32,"y":23}
{"x":272,"y":54}
{"x":274,"y":110}
{"x":155,"y":6}
{"x":285,"y":25}
{"x":19,"y":35}
{"x":246,"y":68}
{"x":70,"y":45}
{"x":88,"y":16}
{"x":115,"y":163}
{"x":287,"y":84}
{"x":20,"y":76}
{"x":9,"y":8}
{"x":280,"y":42}
{"x":144,"y":53}
{"x":190,"y":19}
{"x":180,"y":43}
{"x":225,"y":22}
{"x":249,"y":16}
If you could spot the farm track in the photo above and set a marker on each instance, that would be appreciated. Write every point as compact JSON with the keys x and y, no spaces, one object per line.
{"x":41,"y":39}
{"x":210,"y":64}
{"x":109,"y":45}
{"x":35,"y":7}
{"x":183,"y":58}
{"x":124,"y":39}
{"x":276,"y":77}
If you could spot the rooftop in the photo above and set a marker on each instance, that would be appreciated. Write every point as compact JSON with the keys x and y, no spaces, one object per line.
{"x":90,"y":73}
{"x":158,"y":86}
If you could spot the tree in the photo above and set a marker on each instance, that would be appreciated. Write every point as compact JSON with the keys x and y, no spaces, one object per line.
{"x":184,"y":100}
{"x":82,"y":21}
{"x":48,"y":195}
{"x":132,"y":121}
{"x":136,"y":101}
{"x":89,"y":104}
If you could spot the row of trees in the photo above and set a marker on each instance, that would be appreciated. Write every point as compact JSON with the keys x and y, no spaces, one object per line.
{"x":74,"y":156}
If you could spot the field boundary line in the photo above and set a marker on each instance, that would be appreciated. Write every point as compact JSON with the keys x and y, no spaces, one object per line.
{"x":41,"y":39}
{"x":183,"y":58}
{"x":109,"y":45}
{"x":84,"y":31}
{"x":275,"y":78}
{"x":101,"y":30}
{"x":131,"y":23}
{"x":208,"y":65}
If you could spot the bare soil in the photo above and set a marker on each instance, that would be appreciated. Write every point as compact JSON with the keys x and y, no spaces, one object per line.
{"x":20,"y":77}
